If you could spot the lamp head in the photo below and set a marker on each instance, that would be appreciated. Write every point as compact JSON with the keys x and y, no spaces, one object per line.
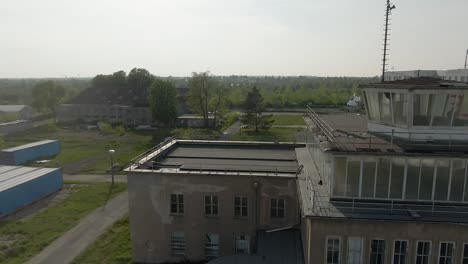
{"x":111,"y":151}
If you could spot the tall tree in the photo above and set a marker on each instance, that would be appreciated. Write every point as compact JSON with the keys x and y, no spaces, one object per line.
{"x":46,"y":95}
{"x":163,"y":101}
{"x":139,"y":78}
{"x":253,"y":111}
{"x":206,"y":96}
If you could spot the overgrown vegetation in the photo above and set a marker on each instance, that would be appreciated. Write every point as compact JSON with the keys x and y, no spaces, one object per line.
{"x":31,"y":235}
{"x":163,"y":102}
{"x":113,"y":247}
{"x":253,"y":108}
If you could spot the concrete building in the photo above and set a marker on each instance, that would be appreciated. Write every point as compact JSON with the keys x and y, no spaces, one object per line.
{"x":16,"y":112}
{"x":117,"y":106}
{"x":390,"y":186}
{"x":460,"y":75}
{"x":199,"y":200}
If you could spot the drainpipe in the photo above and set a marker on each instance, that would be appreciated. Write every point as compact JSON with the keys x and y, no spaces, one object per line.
{"x":256,"y":186}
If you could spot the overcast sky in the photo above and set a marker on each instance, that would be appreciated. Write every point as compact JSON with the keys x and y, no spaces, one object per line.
{"x":57,"y":38}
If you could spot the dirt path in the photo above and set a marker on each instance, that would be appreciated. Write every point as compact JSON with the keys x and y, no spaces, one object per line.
{"x":70,"y":245}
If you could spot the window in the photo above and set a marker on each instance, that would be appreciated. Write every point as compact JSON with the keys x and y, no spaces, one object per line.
{"x":400,"y":108}
{"x":400,"y":251}
{"x":442,"y":180}
{"x":465,"y":254}
{"x":354,"y":250}
{"x":398,"y":174}
{"x":212,"y":246}
{"x":412,"y":179}
{"x":383,"y":175}
{"x":427,"y":179}
{"x":177,"y":203}
{"x":353,"y":172}
{"x":211,"y":205}
{"x":240,"y":206}
{"x":377,"y":255}
{"x":423,"y":252}
{"x":368,"y":178}
{"x":277,"y":208}
{"x":340,"y":176}
{"x":178,"y":244}
{"x":458,"y":180}
{"x":333,"y":250}
{"x":243,"y":244}
{"x":446,"y":252}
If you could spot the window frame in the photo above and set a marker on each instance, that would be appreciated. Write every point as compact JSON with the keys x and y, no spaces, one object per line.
{"x":183,"y":251}
{"x":241,"y":206}
{"x":384,"y":250}
{"x":463,"y":257}
{"x":180,"y":206}
{"x":429,"y":256}
{"x":211,"y":205}
{"x":207,"y":235}
{"x":326,"y":248}
{"x":452,"y":257}
{"x":407,"y":250}
{"x":247,"y":238}
{"x":276,"y":209}
{"x":362,"y":248}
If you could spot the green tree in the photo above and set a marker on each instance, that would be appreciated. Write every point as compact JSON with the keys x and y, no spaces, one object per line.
{"x":206,"y":96}
{"x":253,"y":111}
{"x":139,"y":78}
{"x":46,"y":96}
{"x":163,"y":101}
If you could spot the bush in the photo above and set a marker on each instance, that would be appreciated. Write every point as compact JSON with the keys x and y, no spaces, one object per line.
{"x":107,"y":129}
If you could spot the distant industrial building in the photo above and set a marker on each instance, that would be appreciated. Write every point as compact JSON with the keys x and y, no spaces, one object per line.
{"x":15,"y":126}
{"x":460,"y":75}
{"x":387,"y":187}
{"x":16,"y":112}
{"x":23,"y":154}
{"x":115,"y":106}
{"x":21,"y":186}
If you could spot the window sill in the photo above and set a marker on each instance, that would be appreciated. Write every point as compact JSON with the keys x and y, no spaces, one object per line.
{"x":241,"y":217}
{"x":176,"y":214}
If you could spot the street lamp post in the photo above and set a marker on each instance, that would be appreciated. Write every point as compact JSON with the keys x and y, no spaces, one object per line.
{"x":111,"y":153}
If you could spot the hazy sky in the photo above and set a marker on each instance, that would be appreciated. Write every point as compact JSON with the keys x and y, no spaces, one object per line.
{"x":57,"y":38}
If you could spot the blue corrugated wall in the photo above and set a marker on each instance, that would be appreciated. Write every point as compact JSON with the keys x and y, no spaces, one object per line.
{"x":23,"y":156}
{"x":29,"y":192}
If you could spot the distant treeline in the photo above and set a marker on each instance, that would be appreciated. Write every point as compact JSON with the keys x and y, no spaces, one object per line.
{"x":19,"y":91}
{"x":277,"y":91}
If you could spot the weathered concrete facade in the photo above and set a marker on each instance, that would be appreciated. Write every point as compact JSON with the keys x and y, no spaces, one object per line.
{"x":152,"y":222}
{"x":113,"y":114}
{"x":316,"y":230}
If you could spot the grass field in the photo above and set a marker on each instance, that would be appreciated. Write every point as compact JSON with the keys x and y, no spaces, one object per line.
{"x":288,"y":120}
{"x":272,"y":134}
{"x":86,"y":151}
{"x":114,"y":246}
{"x":27,"y":237}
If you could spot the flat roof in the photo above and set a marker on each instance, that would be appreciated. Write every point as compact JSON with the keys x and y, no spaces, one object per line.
{"x":348,"y":133}
{"x":418,"y":83}
{"x":315,"y":201}
{"x":11,"y":176}
{"x":227,"y":157}
{"x":29,"y":145}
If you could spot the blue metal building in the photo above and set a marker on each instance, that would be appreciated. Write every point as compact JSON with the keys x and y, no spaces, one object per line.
{"x":30,"y":152}
{"x":21,"y":186}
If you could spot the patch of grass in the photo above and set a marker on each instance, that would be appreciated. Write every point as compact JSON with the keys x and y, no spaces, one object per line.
{"x":41,"y":229}
{"x":288,"y":120}
{"x":274,"y":134}
{"x":195,"y":133}
{"x":114,"y":246}
{"x":230,"y":119}
{"x":86,"y":151}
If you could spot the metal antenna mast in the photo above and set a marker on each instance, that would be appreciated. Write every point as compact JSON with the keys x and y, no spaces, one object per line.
{"x":466,"y":58}
{"x":388,"y":12}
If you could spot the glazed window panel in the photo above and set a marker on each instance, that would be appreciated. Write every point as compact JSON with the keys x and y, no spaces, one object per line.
{"x":446,"y":250}
{"x":400,"y":252}
{"x":400,"y":108}
{"x":383,"y":174}
{"x":458,"y":180}
{"x":398,"y":174}
{"x":442,"y":180}
{"x":427,"y":179}
{"x":354,"y":172}
{"x":423,"y":252}
{"x":354,"y":251}
{"x":443,"y":110}
{"x":373,"y":106}
{"x":422,"y":109}
{"x":368,"y":178}
{"x":461,"y":114}
{"x":340,"y":176}
{"x":465,"y":254}
{"x":377,"y":255}
{"x":333,"y":251}
{"x":385,"y":108}
{"x":412,"y":179}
